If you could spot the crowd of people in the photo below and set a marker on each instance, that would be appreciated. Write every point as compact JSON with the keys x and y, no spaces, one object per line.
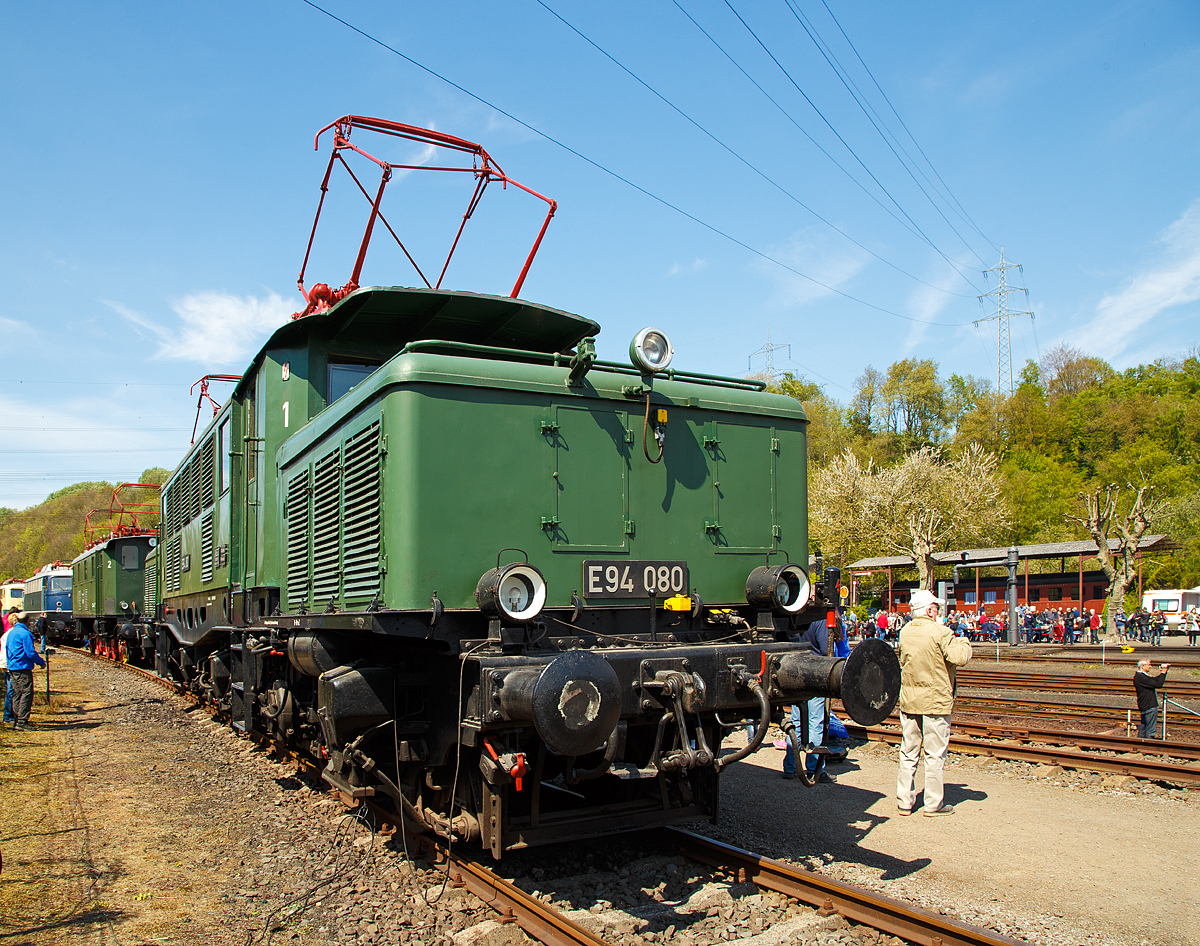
{"x":1038,"y":625}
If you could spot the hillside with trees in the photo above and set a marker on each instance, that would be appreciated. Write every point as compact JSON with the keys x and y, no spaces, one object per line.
{"x":53,"y":530}
{"x":1074,"y":426}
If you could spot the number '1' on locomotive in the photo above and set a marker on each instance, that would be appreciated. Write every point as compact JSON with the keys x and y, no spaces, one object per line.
{"x":515,"y":592}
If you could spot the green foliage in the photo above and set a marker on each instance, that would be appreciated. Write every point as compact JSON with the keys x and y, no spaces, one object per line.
{"x":1073,"y":424}
{"x":53,"y":531}
{"x":49,"y":532}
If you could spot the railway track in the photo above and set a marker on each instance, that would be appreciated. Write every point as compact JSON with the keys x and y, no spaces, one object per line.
{"x":1068,"y":683}
{"x":1097,"y":713}
{"x":1061,"y":710}
{"x":830,"y":897}
{"x":1111,"y":659}
{"x":1073,"y":755}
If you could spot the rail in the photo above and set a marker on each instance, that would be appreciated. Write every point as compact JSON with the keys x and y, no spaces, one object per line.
{"x":1066,"y":682}
{"x":548,"y":925}
{"x":832,"y":896}
{"x":1048,"y":755}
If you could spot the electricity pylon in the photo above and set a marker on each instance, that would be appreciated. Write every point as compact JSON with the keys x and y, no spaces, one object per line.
{"x":1004,"y":372}
{"x":768,"y":352}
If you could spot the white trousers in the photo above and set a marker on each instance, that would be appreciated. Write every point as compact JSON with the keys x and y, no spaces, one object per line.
{"x":934,"y":733}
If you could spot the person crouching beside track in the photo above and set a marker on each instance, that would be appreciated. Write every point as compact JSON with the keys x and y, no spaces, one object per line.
{"x":929,"y":655}
{"x":22,"y":657}
{"x":1147,"y":696}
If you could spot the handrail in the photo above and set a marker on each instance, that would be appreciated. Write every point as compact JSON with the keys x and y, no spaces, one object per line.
{"x":474,"y":350}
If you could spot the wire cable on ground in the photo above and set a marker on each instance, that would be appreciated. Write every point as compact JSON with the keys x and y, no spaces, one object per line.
{"x":624,"y":180}
{"x":342,"y":870}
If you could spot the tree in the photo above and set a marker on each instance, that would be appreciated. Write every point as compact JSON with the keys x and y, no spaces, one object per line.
{"x":1067,"y":371}
{"x":827,"y":433}
{"x":928,"y":504}
{"x":864,"y":405}
{"x":966,"y":394}
{"x":914,"y":401}
{"x":923,"y":505}
{"x":1101,"y":520}
{"x":839,"y":497}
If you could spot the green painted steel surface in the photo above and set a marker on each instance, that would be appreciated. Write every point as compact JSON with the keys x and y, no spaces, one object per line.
{"x":109,"y":574}
{"x":481,"y":455}
{"x":448,"y":452}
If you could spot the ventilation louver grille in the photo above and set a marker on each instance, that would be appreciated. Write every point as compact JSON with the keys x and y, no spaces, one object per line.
{"x":150,"y":601}
{"x":206,"y":548}
{"x":174,"y":561}
{"x":326,"y":482}
{"x":360,"y":522}
{"x":208,"y":480}
{"x":299,"y":526}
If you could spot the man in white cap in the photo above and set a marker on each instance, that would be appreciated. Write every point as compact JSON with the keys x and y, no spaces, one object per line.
{"x":929,"y":655}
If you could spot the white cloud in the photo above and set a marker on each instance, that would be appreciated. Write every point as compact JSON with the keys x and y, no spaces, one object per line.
{"x":813,"y":255}
{"x":693,"y":267}
{"x":214,"y":328}
{"x":1172,"y":280}
{"x":424,"y":156}
{"x":14,"y":325}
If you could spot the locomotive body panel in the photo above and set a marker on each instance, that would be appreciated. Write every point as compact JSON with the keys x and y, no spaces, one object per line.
{"x":503,"y":452}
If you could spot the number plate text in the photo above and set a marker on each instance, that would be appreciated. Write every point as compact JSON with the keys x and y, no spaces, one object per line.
{"x":626,"y":579}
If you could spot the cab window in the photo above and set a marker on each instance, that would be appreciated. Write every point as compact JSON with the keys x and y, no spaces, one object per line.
{"x":129,"y":557}
{"x":345,"y":375}
{"x":61,"y":583}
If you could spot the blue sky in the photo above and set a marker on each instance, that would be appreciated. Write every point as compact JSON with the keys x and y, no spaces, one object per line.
{"x":159,"y":183}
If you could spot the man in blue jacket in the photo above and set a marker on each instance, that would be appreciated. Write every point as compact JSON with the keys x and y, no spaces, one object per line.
{"x":22,"y":658}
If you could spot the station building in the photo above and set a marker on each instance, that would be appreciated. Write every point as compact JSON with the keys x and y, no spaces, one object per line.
{"x":1073,"y":585}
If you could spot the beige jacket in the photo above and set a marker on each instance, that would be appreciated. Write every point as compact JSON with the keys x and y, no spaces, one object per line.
{"x":929,"y":654}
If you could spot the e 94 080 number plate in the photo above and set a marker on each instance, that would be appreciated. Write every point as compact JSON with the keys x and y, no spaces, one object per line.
{"x":626,"y":579}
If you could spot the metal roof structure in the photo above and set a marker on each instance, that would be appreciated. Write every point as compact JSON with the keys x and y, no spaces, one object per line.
{"x":1086,"y":547}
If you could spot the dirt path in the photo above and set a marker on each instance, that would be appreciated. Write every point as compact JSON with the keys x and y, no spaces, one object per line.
{"x":105,"y":840}
{"x":132,"y":820}
{"x":1052,"y":855}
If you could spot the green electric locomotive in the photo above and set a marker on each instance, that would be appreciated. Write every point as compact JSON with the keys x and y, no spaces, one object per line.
{"x":519,"y":594}
{"x":108,"y":578}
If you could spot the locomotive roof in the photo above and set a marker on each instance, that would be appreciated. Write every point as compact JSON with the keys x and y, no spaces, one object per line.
{"x":105,"y":543}
{"x":402,"y":315}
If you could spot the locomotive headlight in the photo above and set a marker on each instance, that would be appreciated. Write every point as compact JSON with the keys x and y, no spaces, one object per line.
{"x":783,"y":589}
{"x":651,"y":350}
{"x":515,"y":592}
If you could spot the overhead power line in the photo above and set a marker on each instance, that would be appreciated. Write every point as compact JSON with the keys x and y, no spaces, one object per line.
{"x":816,"y":144}
{"x":962,"y":210}
{"x":836,"y":66}
{"x":846,"y":144}
{"x":624,"y":180}
{"x":713,"y":137}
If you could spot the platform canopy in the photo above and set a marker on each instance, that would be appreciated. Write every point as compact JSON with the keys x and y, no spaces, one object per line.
{"x":1085,"y":547}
